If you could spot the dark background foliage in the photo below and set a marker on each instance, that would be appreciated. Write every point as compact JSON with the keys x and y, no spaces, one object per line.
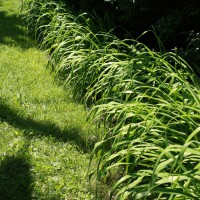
{"x":176,"y":22}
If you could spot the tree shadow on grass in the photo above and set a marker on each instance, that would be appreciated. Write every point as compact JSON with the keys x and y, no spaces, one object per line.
{"x":33,"y":128}
{"x":12,"y":32}
{"x":15,"y":178}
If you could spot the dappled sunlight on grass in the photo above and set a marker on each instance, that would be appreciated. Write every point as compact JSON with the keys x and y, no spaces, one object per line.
{"x":34,"y":128}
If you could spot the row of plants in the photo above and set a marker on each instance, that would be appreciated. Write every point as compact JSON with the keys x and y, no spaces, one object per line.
{"x":148,"y":103}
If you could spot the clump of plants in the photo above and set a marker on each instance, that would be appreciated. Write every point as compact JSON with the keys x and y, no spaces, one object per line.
{"x":147,"y":101}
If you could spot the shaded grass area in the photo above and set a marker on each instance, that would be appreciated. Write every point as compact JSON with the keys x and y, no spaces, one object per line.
{"x":15,"y":178}
{"x":11,"y":30}
{"x":44,"y":137}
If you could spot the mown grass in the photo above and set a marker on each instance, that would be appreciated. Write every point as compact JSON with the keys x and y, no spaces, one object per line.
{"x":44,"y":137}
{"x":147,"y":101}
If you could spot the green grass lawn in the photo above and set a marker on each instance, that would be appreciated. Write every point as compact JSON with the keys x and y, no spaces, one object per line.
{"x":44,"y":137}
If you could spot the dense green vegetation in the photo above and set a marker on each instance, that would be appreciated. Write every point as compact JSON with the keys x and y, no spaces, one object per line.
{"x":147,"y":101}
{"x":44,"y":137}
